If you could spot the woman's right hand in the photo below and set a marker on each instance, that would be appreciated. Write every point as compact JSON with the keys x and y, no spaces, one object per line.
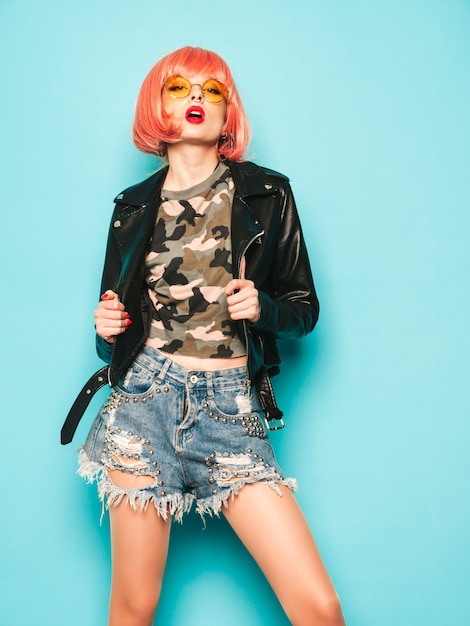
{"x":111,"y":318}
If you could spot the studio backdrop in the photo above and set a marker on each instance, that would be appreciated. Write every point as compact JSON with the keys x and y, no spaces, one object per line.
{"x":365,"y":106}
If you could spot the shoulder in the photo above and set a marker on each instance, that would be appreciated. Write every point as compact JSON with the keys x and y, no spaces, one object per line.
{"x":142,"y":192}
{"x":249,"y":168}
{"x":273,"y":174}
{"x":251,"y":178}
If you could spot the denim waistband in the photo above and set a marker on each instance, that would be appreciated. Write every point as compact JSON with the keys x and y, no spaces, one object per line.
{"x":157,"y":361}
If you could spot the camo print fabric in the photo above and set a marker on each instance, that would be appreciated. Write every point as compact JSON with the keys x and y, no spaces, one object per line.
{"x":187,"y":267}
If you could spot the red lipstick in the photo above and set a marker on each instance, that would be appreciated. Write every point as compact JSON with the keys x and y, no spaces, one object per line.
{"x":195,"y":115}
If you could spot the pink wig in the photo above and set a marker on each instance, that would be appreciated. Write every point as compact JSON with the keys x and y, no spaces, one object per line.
{"x":153,"y":129}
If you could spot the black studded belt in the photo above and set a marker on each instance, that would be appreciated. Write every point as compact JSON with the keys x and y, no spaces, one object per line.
{"x":98,"y":380}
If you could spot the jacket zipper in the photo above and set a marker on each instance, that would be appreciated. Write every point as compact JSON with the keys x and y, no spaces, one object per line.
{"x":245,"y":323}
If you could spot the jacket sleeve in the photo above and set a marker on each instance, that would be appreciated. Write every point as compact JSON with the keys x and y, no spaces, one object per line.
{"x":291,"y":307}
{"x":109,"y":280}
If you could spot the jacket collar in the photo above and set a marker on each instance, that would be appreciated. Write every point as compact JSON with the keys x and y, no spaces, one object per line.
{"x":144,"y":192}
{"x":249,"y":179}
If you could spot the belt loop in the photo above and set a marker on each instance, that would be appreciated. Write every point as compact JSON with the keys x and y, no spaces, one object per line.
{"x":210,"y":385}
{"x":164,"y":370}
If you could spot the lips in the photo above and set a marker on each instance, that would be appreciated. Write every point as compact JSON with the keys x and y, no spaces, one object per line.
{"x":195,"y":115}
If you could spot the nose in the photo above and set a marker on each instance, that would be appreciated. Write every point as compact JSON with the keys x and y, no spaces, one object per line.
{"x":196,"y":92}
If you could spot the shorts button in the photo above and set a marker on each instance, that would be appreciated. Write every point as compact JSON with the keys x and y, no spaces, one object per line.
{"x":193,"y":379}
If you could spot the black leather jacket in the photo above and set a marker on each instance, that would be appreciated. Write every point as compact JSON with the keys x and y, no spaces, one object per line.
{"x":265,"y":229}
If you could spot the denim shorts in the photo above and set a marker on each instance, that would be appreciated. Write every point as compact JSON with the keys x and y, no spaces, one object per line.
{"x":198,"y":435}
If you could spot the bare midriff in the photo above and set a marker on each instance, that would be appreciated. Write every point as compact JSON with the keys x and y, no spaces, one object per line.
{"x":193,"y":363}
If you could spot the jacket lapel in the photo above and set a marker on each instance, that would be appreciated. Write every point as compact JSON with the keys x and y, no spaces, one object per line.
{"x":250,"y":181}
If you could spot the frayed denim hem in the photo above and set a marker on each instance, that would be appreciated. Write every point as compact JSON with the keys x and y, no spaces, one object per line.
{"x":171,"y":505}
{"x":214,"y":504}
{"x":139,"y":498}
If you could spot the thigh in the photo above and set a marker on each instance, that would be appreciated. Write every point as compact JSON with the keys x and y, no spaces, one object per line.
{"x":139,"y":545}
{"x":274,"y":530}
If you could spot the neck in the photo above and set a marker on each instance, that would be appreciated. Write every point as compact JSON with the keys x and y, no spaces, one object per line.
{"x":189,"y":165}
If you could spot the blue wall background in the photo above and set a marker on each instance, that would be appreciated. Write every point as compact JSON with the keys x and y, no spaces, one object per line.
{"x":366,"y":106}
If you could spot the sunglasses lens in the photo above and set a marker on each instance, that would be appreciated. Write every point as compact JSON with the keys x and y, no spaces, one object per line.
{"x":178,"y":87}
{"x":214,"y":90}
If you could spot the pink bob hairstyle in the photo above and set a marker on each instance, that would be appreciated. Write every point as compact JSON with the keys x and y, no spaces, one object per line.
{"x":153,"y":129}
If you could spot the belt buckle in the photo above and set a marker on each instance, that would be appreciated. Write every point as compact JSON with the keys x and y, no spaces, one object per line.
{"x":275,"y":423}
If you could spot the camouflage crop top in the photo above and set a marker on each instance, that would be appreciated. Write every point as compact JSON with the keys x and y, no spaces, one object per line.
{"x":188,"y":264}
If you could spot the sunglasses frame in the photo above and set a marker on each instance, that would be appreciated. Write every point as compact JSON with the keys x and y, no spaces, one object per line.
{"x":178,"y":96}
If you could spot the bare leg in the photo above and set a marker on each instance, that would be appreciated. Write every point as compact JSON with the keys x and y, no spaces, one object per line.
{"x":139,"y":543}
{"x":276,"y":533}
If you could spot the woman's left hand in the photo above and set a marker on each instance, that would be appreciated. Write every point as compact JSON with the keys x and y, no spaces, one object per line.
{"x":242,"y":298}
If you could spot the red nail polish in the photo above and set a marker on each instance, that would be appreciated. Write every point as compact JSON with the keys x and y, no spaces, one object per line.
{"x":129,"y":322}
{"x":105,"y":296}
{"x":128,"y":317}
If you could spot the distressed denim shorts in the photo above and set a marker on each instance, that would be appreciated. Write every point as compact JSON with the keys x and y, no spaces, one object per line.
{"x":199,"y":435}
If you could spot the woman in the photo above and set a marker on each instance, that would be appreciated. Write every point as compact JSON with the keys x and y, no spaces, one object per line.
{"x":205,"y":267}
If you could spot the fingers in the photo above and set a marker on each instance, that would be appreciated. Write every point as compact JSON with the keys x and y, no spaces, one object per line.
{"x":242,"y":300}
{"x":242,"y":297}
{"x":111,"y":318}
{"x":242,"y":268}
{"x":109,"y":294}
